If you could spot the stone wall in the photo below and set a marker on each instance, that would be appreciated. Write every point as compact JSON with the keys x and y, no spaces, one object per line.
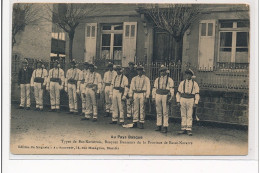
{"x":220,"y":106}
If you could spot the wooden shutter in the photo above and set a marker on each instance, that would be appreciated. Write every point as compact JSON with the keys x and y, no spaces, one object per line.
{"x":90,"y":42}
{"x":129,"y":42}
{"x":206,"y":44}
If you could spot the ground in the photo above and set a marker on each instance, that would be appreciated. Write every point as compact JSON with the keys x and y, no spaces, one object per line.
{"x":61,"y":133}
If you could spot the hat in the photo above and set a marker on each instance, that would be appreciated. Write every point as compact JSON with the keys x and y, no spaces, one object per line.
{"x":91,"y":65}
{"x":25,"y":61}
{"x":140,"y":67}
{"x":118,"y":67}
{"x":56,"y":61}
{"x":189,"y":71}
{"x":131,"y":63}
{"x":163,"y":68}
{"x":110,"y":64}
{"x":73,"y":62}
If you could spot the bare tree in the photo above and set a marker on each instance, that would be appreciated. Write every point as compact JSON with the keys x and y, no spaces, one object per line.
{"x":68,"y":17}
{"x":175,"y":19}
{"x":23,"y":15}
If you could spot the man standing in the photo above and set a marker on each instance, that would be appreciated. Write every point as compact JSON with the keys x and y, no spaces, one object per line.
{"x":71,"y":80}
{"x":139,"y":92}
{"x":108,"y":76}
{"x":187,"y":97}
{"x":24,"y":77}
{"x":130,"y":73}
{"x":163,"y":93}
{"x":119,"y":90}
{"x":38,"y":81}
{"x":92,"y":85}
{"x":81,"y":85}
{"x":55,"y":84}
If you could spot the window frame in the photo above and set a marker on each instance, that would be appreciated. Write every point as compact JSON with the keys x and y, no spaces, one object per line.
{"x":112,"y":33}
{"x":234,"y":30}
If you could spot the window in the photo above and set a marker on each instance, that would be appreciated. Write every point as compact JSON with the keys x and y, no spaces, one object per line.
{"x":93,"y":29}
{"x":58,"y":42}
{"x":233,"y":42}
{"x":90,"y":31}
{"x":58,"y":35}
{"x":127,"y":28}
{"x":210,"y":29}
{"x":206,"y":29}
{"x":112,"y":42}
{"x":130,"y":31}
{"x":203,"y":29}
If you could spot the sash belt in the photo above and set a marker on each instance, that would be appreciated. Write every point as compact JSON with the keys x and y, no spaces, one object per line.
{"x":185,"y":95}
{"x":72,"y":81}
{"x":139,"y":91}
{"x":120,"y":89}
{"x":39,"y":80}
{"x":162,"y":91}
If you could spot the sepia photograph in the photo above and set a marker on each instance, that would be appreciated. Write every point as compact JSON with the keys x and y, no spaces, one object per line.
{"x":158,"y":79}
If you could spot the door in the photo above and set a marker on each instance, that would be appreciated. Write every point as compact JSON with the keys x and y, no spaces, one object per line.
{"x":161,"y":48}
{"x":206,"y":45}
{"x":129,"y":43}
{"x":90,"y":42}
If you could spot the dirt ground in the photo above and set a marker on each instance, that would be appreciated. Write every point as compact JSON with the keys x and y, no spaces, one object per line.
{"x":46,"y":132}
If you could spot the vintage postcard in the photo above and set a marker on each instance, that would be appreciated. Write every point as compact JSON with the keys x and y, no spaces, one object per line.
{"x":130,"y":79}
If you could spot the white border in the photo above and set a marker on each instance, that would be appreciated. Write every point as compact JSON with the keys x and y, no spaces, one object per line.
{"x":231,"y":163}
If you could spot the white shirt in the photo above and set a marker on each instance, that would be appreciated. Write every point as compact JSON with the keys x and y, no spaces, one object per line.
{"x":56,"y":73}
{"x":191,"y":87}
{"x":140,"y":83}
{"x":160,"y":83}
{"x":109,"y":75}
{"x":93,"y":78}
{"x":39,"y":72}
{"x":116,"y":83}
{"x":82,"y":75}
{"x":72,"y":74}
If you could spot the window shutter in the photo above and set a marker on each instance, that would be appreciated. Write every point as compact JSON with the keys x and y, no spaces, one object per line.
{"x":90,"y":41}
{"x":129,"y":42}
{"x":206,"y":45}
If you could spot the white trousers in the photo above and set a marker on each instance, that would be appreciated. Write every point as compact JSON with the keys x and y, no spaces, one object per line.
{"x":91,"y":107}
{"x":186,"y":113}
{"x":129,"y":108}
{"x":25,"y":95}
{"x":139,"y":99}
{"x":83,"y":99}
{"x":162,"y":109}
{"x":73,"y":101}
{"x":55,"y":95}
{"x":108,"y":99}
{"x":38,"y":91}
{"x":117,"y":106}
